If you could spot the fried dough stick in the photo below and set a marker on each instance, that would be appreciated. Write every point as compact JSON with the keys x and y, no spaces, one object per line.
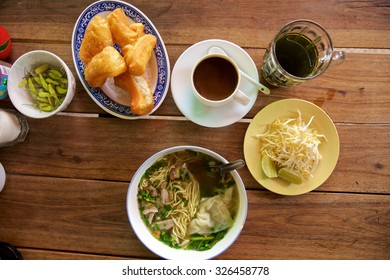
{"x":122,"y":31}
{"x":107,"y":63}
{"x":97,"y":37}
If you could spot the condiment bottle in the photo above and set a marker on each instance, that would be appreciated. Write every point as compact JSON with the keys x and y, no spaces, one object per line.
{"x":13,"y":127}
{"x":4,"y":70}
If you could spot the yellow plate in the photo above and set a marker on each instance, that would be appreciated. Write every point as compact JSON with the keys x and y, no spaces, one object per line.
{"x":284,"y":109}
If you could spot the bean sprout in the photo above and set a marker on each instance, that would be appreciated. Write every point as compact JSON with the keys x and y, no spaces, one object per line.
{"x":292,"y":144}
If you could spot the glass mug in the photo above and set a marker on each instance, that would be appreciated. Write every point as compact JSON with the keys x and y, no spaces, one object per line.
{"x":301,"y":51}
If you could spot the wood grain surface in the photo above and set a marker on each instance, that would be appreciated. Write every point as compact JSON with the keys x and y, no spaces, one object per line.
{"x":65,"y":194}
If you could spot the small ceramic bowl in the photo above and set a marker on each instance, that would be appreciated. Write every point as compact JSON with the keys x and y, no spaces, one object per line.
{"x":160,"y":248}
{"x":20,"y":98}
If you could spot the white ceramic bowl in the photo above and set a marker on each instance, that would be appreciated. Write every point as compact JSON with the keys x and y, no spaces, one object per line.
{"x":20,"y":98}
{"x":158,"y":247}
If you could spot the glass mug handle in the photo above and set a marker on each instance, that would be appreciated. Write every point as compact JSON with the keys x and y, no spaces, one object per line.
{"x":338,"y":57}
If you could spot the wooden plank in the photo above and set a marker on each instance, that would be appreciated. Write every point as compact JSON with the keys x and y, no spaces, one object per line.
{"x":87,"y":219}
{"x":254,"y":26}
{"x":37,"y":254}
{"x":315,"y":226}
{"x":107,"y":149}
{"x":58,"y":214}
{"x":355,"y":91}
{"x":65,"y":193}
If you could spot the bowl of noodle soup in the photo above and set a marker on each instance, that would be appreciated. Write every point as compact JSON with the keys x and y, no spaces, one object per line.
{"x":180,"y":211}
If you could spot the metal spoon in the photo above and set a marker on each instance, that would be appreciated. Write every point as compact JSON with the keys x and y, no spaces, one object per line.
{"x":233,"y":165}
{"x":208,"y":180}
{"x":258,"y":85}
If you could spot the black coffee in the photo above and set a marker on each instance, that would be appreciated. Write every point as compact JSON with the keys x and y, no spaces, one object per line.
{"x":215,"y":78}
{"x":296,"y":54}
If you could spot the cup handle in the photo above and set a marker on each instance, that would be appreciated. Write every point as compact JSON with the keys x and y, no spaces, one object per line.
{"x":241,"y":98}
{"x":338,"y":58}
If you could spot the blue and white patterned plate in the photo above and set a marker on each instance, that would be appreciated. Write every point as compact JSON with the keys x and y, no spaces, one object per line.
{"x":160,"y":71}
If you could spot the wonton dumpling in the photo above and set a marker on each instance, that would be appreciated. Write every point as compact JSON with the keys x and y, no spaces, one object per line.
{"x":107,"y":63}
{"x":213,"y":214}
{"x":122,"y":31}
{"x":97,"y":37}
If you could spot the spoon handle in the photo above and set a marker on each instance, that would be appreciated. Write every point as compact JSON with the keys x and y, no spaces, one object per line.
{"x":231,"y":165}
{"x":257,"y":84}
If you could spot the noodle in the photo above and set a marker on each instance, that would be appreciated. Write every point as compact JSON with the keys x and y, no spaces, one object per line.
{"x":183,"y":214}
{"x":186,"y":195}
{"x":184,"y":210}
{"x":169,"y":197}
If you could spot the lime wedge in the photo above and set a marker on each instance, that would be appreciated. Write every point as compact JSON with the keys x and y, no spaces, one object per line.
{"x":268,"y":166}
{"x":290,"y":175}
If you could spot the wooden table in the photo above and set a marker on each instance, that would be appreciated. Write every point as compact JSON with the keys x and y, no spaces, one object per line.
{"x":66,"y":184}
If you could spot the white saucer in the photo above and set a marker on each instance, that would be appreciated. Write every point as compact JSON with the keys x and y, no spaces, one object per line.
{"x":189,"y":105}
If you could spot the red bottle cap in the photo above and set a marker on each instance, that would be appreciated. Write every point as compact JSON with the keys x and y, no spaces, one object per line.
{"x":5,"y":43}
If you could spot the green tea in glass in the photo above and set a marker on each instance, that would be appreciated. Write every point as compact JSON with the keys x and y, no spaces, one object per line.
{"x":301,"y":51}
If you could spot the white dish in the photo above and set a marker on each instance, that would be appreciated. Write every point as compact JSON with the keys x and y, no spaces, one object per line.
{"x":110,"y":98}
{"x":185,"y":99}
{"x":157,"y":246}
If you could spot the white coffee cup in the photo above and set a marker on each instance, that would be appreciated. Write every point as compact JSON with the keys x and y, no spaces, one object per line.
{"x":215,"y":80}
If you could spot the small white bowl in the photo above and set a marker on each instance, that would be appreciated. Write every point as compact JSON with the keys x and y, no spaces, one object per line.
{"x":157,"y":246}
{"x":20,"y":98}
